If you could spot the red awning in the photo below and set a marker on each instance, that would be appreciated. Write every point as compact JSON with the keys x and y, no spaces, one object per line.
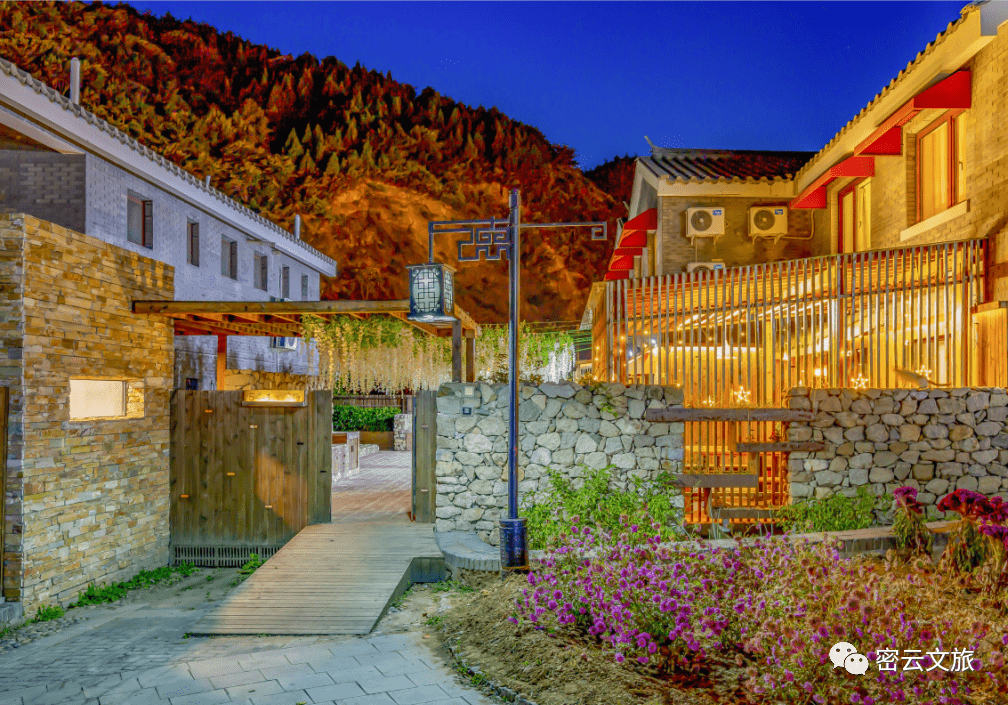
{"x":648,"y":220}
{"x":613,"y":276}
{"x":621,"y":263}
{"x":951,"y":93}
{"x":633,"y":238}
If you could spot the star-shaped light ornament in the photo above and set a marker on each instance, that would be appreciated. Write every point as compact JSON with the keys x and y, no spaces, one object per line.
{"x":742,"y":395}
{"x":860,"y":382}
{"x":925,"y":373}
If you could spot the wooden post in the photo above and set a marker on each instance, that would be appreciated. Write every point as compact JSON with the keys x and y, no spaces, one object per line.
{"x":221,"y":360}
{"x":457,"y":351}
{"x":470,"y":336}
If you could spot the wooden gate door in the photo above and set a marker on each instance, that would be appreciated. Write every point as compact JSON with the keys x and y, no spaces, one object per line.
{"x":246,"y":478}
{"x":424,"y":455}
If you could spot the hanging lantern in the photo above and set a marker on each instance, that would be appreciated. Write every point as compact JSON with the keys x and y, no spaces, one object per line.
{"x":432,"y":293}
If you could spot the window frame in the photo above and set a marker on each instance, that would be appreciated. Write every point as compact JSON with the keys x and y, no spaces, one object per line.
{"x":950,"y":118}
{"x":304,"y":287}
{"x":146,"y":219}
{"x":231,"y":270}
{"x":852,"y":188}
{"x":193,"y":235}
{"x":285,"y":282}
{"x":260,"y":270}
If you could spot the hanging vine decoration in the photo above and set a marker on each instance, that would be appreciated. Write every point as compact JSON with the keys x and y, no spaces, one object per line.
{"x":383,"y":352}
{"x":379,"y":352}
{"x":543,"y":356}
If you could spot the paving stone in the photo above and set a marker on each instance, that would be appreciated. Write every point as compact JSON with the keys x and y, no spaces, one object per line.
{"x":337,"y":691}
{"x":240,"y":678}
{"x":148,"y":696}
{"x":340,"y":670}
{"x":392,"y":642}
{"x":385,"y":684}
{"x":165,"y":675}
{"x":250,"y":690}
{"x":250,"y":662}
{"x":378,"y":659}
{"x":422,"y":694}
{"x":184,"y":687}
{"x":213,"y":697}
{"x":216,"y":667}
{"x":315,"y":680}
{"x":290,"y":670}
{"x":426,"y":677}
{"x":373,"y":699}
{"x":290,"y":698}
{"x":396,"y":668}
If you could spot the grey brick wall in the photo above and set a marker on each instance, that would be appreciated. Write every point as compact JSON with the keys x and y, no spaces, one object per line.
{"x":196,"y":357}
{"x":47,"y":185}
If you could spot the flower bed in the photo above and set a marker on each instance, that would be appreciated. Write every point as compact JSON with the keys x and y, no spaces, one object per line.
{"x":776,"y":609}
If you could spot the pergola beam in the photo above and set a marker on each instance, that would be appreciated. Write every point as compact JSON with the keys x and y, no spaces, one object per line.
{"x":283,"y":318}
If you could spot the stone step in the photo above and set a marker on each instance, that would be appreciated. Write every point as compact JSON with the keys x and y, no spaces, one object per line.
{"x":11,"y":613}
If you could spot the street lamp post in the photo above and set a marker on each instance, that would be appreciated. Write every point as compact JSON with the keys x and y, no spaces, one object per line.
{"x":489,"y":240}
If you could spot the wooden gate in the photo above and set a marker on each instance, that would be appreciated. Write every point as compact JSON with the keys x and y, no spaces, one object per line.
{"x":424,"y":456}
{"x":246,"y":479}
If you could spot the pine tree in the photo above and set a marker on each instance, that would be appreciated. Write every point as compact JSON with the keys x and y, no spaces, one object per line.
{"x":293,"y":147}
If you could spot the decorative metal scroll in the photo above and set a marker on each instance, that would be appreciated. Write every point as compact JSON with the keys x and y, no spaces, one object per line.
{"x":492,"y":238}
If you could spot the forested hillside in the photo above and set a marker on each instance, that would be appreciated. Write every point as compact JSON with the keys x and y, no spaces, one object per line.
{"x":365,"y":160}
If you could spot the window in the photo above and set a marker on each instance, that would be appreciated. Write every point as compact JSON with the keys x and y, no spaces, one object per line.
{"x":285,"y":283}
{"x":193,"y":243}
{"x":939,"y":169}
{"x":192,"y":383}
{"x":304,"y":287}
{"x":139,"y":220}
{"x":106,"y":398}
{"x":855,"y":217}
{"x":260,"y":272}
{"x":229,"y":258}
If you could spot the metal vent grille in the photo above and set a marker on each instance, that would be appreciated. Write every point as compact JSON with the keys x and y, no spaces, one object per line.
{"x":701,"y":220}
{"x":764,"y":219}
{"x":220,"y":556}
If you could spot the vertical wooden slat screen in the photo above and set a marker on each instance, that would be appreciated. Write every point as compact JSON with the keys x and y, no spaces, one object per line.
{"x":841,"y":321}
{"x":246,"y":477}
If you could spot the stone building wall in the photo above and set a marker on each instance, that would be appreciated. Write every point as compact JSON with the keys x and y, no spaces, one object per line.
{"x":935,"y":440}
{"x":254,"y":379}
{"x":402,"y":426}
{"x":91,"y":499}
{"x":566,"y":427}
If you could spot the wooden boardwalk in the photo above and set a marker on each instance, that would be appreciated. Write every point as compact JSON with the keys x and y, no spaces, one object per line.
{"x":330,"y":579}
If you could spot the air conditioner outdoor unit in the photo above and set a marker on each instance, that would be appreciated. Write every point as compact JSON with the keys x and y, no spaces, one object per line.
{"x":704,"y":222}
{"x":768,"y":221}
{"x":705,"y":266}
{"x":289,"y":343}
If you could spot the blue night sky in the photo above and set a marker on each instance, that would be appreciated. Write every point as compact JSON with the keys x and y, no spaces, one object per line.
{"x":599,"y":76}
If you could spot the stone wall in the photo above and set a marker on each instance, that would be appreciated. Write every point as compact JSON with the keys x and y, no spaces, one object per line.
{"x":253,"y":379}
{"x":90,"y":503}
{"x":566,"y":427}
{"x":402,"y":426}
{"x":935,"y":440}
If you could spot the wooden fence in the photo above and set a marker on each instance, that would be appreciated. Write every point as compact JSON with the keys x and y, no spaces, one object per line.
{"x":246,"y":479}
{"x":371,"y":401}
{"x":744,"y":336}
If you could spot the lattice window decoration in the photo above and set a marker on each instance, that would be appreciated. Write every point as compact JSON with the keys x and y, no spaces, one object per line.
{"x":431,"y":293}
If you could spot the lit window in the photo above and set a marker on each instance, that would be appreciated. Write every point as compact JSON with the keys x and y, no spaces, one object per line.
{"x":106,"y":398}
{"x":939,"y":170}
{"x":855,"y":217}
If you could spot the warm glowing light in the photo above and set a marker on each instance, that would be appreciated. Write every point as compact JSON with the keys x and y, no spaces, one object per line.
{"x":273,"y":397}
{"x":709,"y":401}
{"x":818,"y":372}
{"x":742,"y":395}
{"x":925,"y":373}
{"x":860,"y":382}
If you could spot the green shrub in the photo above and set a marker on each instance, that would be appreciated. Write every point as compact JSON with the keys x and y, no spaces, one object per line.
{"x":595,"y":506}
{"x":357,"y":418}
{"x":46,"y":614}
{"x":144,"y":579}
{"x":253,"y":563}
{"x":835,"y":513}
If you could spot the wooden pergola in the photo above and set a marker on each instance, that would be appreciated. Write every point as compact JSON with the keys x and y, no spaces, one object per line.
{"x":283,"y":319}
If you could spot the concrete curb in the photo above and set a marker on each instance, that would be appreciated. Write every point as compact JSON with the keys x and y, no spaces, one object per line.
{"x":466,"y":550}
{"x":11,"y":613}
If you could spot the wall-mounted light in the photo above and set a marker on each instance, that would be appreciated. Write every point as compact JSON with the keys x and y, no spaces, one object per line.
{"x":273,"y":397}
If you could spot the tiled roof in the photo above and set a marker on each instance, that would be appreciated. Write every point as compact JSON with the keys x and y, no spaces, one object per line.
{"x":103,"y":125}
{"x":724,"y":164}
{"x":892,"y":84}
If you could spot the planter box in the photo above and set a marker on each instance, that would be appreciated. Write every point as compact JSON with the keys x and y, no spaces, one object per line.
{"x":383,"y":439}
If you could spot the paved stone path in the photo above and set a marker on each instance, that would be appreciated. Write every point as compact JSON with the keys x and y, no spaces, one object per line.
{"x":136,"y":655}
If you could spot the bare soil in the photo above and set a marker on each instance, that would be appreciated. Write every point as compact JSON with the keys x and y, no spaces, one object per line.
{"x":562,"y":669}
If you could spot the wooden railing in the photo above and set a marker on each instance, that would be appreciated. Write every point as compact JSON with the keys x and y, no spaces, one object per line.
{"x":744,"y":336}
